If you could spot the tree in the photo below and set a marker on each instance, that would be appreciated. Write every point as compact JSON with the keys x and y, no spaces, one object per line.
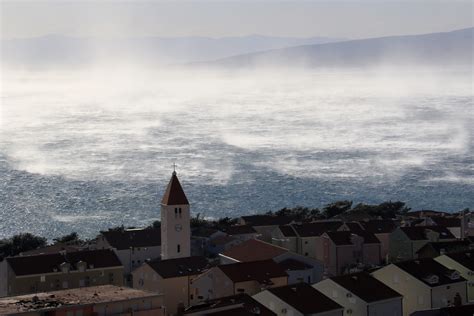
{"x":21,"y":243}
{"x":336,"y":208}
{"x":70,"y":239}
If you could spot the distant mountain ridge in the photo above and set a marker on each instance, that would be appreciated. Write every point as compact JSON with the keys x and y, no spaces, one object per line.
{"x":447,"y":48}
{"x":58,"y":49}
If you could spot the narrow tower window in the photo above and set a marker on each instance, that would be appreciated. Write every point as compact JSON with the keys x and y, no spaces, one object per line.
{"x":179,"y":248}
{"x":179,"y":212}
{"x":175,"y":212}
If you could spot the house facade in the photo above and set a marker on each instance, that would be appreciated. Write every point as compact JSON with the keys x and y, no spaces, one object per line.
{"x":237,"y":278}
{"x":361,"y":294}
{"x":424,"y":284}
{"x":171,"y":278}
{"x":406,"y":241}
{"x":60,"y":271}
{"x":298,"y":300}
{"x":132,"y":246}
{"x":463,"y":262}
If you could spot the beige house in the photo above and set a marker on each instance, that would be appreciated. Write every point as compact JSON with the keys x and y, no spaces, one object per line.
{"x":299,"y":268}
{"x":424,"y":284}
{"x":463,"y":262}
{"x":341,"y":251}
{"x":171,"y":278}
{"x":65,"y":270}
{"x":406,"y":241}
{"x":309,"y":235}
{"x":241,"y":232}
{"x":265,"y":224}
{"x":235,"y":305}
{"x":298,"y":300}
{"x":237,"y":278}
{"x":361,"y":294}
{"x":88,"y":301}
{"x":381,"y":228}
{"x":132,"y":246}
{"x":285,"y":236}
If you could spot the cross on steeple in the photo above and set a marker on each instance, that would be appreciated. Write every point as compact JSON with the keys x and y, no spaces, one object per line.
{"x":174,"y":167}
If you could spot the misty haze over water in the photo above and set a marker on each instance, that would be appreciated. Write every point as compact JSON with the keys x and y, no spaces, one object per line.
{"x":93,"y":148}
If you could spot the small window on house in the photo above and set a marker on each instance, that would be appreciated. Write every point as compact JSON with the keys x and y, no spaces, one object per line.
{"x":306,"y":254}
{"x":43,"y":278}
{"x":176,"y":212}
{"x":178,"y":248}
{"x":306,"y":242}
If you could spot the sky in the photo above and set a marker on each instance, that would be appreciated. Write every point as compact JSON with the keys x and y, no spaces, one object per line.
{"x":341,"y":19}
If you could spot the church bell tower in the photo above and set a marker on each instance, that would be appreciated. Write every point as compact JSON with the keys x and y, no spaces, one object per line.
{"x":175,"y":222}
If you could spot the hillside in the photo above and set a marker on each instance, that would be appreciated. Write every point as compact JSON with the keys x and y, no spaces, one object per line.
{"x":450,"y":48}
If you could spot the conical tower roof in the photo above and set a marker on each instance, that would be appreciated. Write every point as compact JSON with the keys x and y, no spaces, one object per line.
{"x":174,"y":194}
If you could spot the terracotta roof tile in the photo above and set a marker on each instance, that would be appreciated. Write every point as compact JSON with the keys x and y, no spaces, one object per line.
{"x":240,"y":304}
{"x":49,"y":263}
{"x":174,"y":194}
{"x":147,"y":237}
{"x":304,"y":298}
{"x":172,"y":268}
{"x":428,"y":269}
{"x":253,"y":250}
{"x":260,"y":271}
{"x":366,"y":287}
{"x":316,"y":228}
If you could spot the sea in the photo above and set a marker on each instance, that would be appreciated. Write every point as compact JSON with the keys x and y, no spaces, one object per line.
{"x":89,"y":149}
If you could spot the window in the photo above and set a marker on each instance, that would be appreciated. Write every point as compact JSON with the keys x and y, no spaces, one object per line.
{"x":179,"y":210}
{"x":179,"y":248}
{"x":43,"y":278}
{"x":176,"y":212}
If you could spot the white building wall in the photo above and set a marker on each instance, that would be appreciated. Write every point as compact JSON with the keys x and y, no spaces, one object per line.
{"x":175,"y":232}
{"x":392,"y":307}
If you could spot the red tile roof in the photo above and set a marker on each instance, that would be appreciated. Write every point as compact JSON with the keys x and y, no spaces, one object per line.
{"x":260,"y":271}
{"x":172,"y":268}
{"x":239,"y":230}
{"x":146,"y":237}
{"x":240,"y":305}
{"x":366,"y":287}
{"x":253,"y":250}
{"x":174,"y":194}
{"x":50,"y":263}
{"x":306,"y":299}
